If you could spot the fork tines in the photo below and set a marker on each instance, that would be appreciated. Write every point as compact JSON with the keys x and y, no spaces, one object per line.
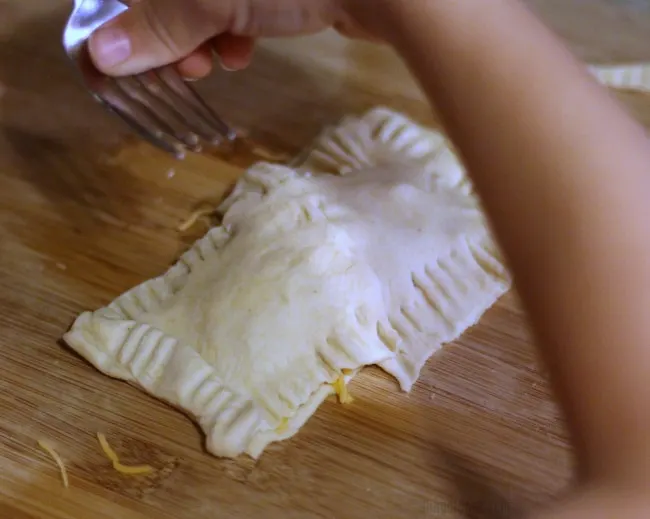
{"x":164,"y":109}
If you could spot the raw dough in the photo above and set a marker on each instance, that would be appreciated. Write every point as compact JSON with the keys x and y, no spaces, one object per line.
{"x":635,"y":77}
{"x":373,"y":251}
{"x":420,"y":228}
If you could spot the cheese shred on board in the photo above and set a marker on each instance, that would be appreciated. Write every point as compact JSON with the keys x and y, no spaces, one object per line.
{"x":47,"y":448}
{"x":342,"y":390}
{"x":260,"y":152}
{"x":124,"y":469}
{"x":268,"y":155}
{"x":194,"y":217}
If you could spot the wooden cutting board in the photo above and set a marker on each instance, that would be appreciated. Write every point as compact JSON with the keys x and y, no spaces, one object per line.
{"x":87,"y":212}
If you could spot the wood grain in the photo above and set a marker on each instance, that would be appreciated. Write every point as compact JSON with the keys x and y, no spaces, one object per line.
{"x":87,"y":212}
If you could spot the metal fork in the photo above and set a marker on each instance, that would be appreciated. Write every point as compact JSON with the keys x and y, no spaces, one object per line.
{"x":158,"y":104}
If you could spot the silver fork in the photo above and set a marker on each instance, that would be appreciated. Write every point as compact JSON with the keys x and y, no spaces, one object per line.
{"x":158,"y":104}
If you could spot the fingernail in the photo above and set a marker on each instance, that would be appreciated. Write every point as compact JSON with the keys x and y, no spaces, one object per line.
{"x":111,"y":46}
{"x":225,"y":67}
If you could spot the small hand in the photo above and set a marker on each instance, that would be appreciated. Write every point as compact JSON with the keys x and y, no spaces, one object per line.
{"x":153,"y":33}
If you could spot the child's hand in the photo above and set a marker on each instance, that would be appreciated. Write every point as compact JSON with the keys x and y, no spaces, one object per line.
{"x":157,"y":32}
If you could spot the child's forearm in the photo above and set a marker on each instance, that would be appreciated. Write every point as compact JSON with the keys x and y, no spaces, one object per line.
{"x":564,"y":175}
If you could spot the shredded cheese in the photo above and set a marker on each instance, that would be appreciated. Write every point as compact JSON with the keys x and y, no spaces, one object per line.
{"x":259,"y":151}
{"x":47,"y":448}
{"x":342,"y":390}
{"x":284,"y":425}
{"x":269,"y":155}
{"x":112,"y":456}
{"x":194,"y":217}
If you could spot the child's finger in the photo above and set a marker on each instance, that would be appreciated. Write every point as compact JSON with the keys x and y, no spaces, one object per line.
{"x":152,"y":33}
{"x":235,"y":52}
{"x":353,"y":31}
{"x":198,"y":64}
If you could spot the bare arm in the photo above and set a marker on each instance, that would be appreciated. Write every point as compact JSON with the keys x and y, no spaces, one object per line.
{"x":563,"y":172}
{"x":564,"y":175}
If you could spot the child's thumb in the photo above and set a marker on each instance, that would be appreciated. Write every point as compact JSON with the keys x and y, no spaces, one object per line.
{"x":150,"y":34}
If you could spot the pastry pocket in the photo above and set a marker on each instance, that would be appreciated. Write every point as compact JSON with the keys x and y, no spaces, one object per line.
{"x":634,"y":77}
{"x":247,"y":333}
{"x":374,"y":250}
